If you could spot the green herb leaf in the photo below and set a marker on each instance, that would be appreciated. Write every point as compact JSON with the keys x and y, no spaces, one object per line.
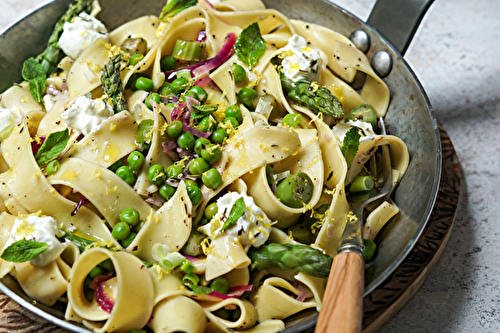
{"x":52,"y":147}
{"x":203,"y":110}
{"x":174,"y":7}
{"x":250,"y":45}
{"x":23,"y":250}
{"x":81,"y":242}
{"x":37,"y":79}
{"x":350,"y":145}
{"x":236,"y":212}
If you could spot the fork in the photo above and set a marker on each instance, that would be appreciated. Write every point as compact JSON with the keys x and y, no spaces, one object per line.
{"x":342,"y":309}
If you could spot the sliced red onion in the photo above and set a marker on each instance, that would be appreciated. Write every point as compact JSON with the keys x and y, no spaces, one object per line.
{"x":102,"y":298}
{"x":202,"y":36}
{"x":208,"y":3}
{"x":154,"y":202}
{"x":302,"y":293}
{"x":196,"y":132}
{"x":206,"y":82}
{"x":178,"y":111}
{"x":203,"y":68}
{"x":234,"y":292}
{"x":192,"y":259}
{"x":35,"y":146}
{"x":82,"y":201}
{"x":168,"y":146}
{"x":99,"y":279}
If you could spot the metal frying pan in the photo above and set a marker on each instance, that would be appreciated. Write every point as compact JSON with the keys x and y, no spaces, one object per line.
{"x":410,"y":115}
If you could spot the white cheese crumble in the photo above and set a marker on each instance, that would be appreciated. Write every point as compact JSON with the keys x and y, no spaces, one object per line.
{"x":86,"y":115}
{"x":299,"y":61}
{"x":252,"y":228}
{"x":40,"y":229}
{"x":80,"y":33}
{"x":365,"y":129}
{"x":48,"y":102}
{"x":9,"y":118}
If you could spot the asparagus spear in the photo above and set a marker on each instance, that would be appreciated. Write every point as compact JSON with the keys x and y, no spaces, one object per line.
{"x":53,"y":53}
{"x":112,"y":83}
{"x":302,"y":258}
{"x":317,"y":98}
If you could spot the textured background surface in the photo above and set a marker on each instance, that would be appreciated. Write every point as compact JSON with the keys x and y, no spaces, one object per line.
{"x":455,"y":54}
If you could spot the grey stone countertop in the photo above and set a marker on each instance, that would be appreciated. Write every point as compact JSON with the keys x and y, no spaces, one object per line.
{"x":455,"y":54}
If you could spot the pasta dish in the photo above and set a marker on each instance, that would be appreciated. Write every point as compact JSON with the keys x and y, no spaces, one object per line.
{"x":191,"y":171}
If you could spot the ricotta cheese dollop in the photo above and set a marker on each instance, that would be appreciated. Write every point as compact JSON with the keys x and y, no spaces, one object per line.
{"x":86,"y":115}
{"x":40,"y":229}
{"x":80,"y":33}
{"x":9,"y":118}
{"x":252,"y":228}
{"x":300,"y":61}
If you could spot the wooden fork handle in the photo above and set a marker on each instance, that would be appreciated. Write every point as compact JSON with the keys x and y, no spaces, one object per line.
{"x":342,"y":309}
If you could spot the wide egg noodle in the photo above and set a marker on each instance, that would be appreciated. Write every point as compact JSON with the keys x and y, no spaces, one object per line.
{"x":315,"y":285}
{"x":102,"y":187}
{"x":52,"y":121}
{"x":133,"y":304}
{"x":308,"y":160}
{"x":16,"y":150}
{"x":169,"y":225}
{"x":143,"y":27}
{"x":178,"y":314}
{"x":238,"y":5}
{"x":6,"y":223}
{"x":225,"y":254}
{"x":378,"y":218}
{"x":248,"y":313}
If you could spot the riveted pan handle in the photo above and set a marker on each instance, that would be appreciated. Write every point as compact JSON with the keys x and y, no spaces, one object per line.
{"x":398,"y":20}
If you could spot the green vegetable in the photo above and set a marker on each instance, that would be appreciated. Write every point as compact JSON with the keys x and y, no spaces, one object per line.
{"x":128,"y":240}
{"x":194,"y":194}
{"x":167,"y":63}
{"x":270,"y":176}
{"x":219,"y":135}
{"x":246,"y":97}
{"x":200,"y":144}
{"x":198,"y":166}
{"x":187,"y":267}
{"x":296,"y":190}
{"x":174,"y":7}
{"x":135,"y":160}
{"x":186,"y":141}
{"x":192,"y":247}
{"x":301,"y":233}
{"x":203,"y":111}
{"x":200,"y":93}
{"x":250,"y":45}
{"x":316,"y":98}
{"x":239,"y":73}
{"x":361,"y":184}
{"x":156,"y":174}
{"x":370,"y":248}
{"x":179,"y":85}
{"x":50,"y":58}
{"x":172,"y":260}
{"x":126,"y":173}
{"x":96,"y":271}
{"x":211,"y":153}
{"x":165,"y":89}
{"x":206,"y":124}
{"x":173,"y":171}
{"x":81,"y":242}
{"x":113,"y":167}
{"x":144,"y":83}
{"x":112,"y":83}
{"x":166,"y":191}
{"x":135,"y":58}
{"x":52,"y":167}
{"x":130,"y":216}
{"x":121,"y":230}
{"x":188,"y":50}
{"x":52,"y":147}
{"x":154,"y":97}
{"x":231,"y":120}
{"x":175,"y":128}
{"x":235,"y":213}
{"x":293,"y":119}
{"x":350,"y":145}
{"x":364,"y":112}
{"x":220,"y":284}
{"x":212,"y":178}
{"x":211,"y":210}
{"x":34,"y":73}
{"x":301,"y":258}
{"x":145,"y":132}
{"x":23,"y":250}
{"x":234,"y":111}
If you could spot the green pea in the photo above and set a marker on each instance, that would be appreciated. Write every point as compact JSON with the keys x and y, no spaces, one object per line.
{"x":211,"y":210}
{"x":143,"y":83}
{"x":120,"y":231}
{"x":126,"y":173}
{"x":239,"y":73}
{"x":144,"y":131}
{"x":165,"y":89}
{"x":135,"y":58}
{"x":173,"y":171}
{"x":293,"y":119}
{"x":128,"y":240}
{"x":113,"y":167}
{"x":167,"y":63}
{"x":269,"y":175}
{"x":166,"y":191}
{"x":175,"y":128}
{"x":179,"y":85}
{"x":140,"y":225}
{"x":52,"y":167}
{"x":295,"y":190}
{"x":218,"y":136}
{"x":96,"y":271}
{"x":132,"y":81}
{"x":186,"y":141}
{"x":200,"y":144}
{"x":156,"y":174}
{"x":212,"y":178}
{"x":130,"y":216}
{"x":234,"y":111}
{"x":189,"y":93}
{"x":211,"y":153}
{"x":220,"y":284}
{"x":194,"y":194}
{"x":246,"y":97}
{"x":154,"y":97}
{"x":199,"y":93}
{"x":207,"y":124}
{"x":198,"y":166}
{"x":190,"y":182}
{"x":234,"y":123}
{"x":107,"y":264}
{"x":370,"y":248}
{"x":135,"y":160}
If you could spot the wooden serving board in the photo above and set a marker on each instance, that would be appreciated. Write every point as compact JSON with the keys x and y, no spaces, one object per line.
{"x":381,"y":305}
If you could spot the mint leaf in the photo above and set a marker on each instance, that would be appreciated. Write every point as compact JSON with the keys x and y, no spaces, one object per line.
{"x":23,"y":250}
{"x":52,"y":147}
{"x":236,"y":212}
{"x":250,"y":45}
{"x":350,"y":145}
{"x":37,"y":79}
{"x":203,"y":110}
{"x":81,"y":242}
{"x":174,"y":7}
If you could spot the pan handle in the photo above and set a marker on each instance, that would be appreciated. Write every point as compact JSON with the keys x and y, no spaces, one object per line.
{"x":398,"y":20}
